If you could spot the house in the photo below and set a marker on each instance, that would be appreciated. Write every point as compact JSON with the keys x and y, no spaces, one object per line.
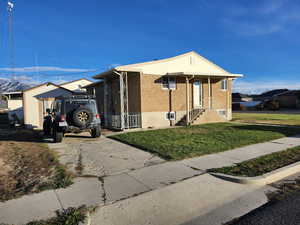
{"x":288,"y":99}
{"x":76,"y":85}
{"x":185,"y":89}
{"x":239,"y":97}
{"x":13,"y":100}
{"x":39,"y":98}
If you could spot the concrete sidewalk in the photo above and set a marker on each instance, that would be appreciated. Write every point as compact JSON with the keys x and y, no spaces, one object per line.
{"x":109,"y":189}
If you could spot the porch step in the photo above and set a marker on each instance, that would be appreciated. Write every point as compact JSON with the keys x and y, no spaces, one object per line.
{"x":182,"y":122}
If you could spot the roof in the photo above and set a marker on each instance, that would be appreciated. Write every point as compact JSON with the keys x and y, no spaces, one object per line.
{"x":69,"y":82}
{"x":47,"y":83}
{"x":190,"y":63}
{"x":290,"y":93}
{"x":93,"y":84}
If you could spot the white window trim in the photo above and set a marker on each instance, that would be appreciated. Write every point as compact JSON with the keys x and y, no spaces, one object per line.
{"x":168,"y":88}
{"x":224,"y":80}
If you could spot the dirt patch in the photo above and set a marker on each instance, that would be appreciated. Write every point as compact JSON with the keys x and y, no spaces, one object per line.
{"x":27,"y":165}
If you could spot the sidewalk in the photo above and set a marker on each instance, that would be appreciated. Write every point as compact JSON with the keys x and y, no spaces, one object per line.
{"x":109,"y":189}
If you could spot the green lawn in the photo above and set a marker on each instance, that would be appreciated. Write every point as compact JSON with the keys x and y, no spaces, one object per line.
{"x":284,"y":119}
{"x":263,"y":164}
{"x":186,"y":142}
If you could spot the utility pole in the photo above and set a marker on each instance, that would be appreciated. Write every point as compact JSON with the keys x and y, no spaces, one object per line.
{"x":11,"y":44}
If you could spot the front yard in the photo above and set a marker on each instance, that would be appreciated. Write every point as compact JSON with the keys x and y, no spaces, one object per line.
{"x":27,"y":165}
{"x":187,"y":142}
{"x":268,"y":118}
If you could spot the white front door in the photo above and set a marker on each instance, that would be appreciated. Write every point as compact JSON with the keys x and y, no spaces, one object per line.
{"x":197,"y":93}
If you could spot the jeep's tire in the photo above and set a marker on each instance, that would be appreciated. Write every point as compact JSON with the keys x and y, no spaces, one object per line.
{"x":57,"y":136}
{"x":82,"y":117}
{"x":47,"y":127}
{"x":96,"y":132}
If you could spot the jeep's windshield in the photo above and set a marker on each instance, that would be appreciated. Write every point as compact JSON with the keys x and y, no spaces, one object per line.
{"x":72,"y":105}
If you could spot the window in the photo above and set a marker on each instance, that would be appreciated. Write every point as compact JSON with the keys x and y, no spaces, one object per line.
{"x":224,"y":84}
{"x":222,"y":112}
{"x":169,"y":83}
{"x":170,"y":116}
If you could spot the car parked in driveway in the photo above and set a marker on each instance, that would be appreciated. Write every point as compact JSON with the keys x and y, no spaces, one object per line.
{"x":72,"y":114}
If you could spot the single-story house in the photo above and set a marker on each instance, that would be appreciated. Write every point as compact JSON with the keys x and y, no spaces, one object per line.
{"x":185,"y":89}
{"x":37,"y":99}
{"x":239,"y":97}
{"x":289,"y":99}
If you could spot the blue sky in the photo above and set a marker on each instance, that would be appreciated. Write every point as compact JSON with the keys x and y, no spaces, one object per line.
{"x":72,"y":39}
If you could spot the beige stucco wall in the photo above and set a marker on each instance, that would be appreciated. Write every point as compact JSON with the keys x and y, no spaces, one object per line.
{"x":14,"y":104}
{"x":76,"y":85}
{"x":33,"y":108}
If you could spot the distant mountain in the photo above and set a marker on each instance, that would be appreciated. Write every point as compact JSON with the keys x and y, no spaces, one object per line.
{"x":7,"y":85}
{"x":271,"y":93}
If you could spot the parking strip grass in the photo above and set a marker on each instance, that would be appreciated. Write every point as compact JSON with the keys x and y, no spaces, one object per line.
{"x":186,"y":142}
{"x":263,"y":164}
{"x":27,"y":165}
{"x":268,"y":118}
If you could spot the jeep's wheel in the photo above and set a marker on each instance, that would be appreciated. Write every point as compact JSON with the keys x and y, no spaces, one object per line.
{"x":95,"y":132}
{"x":46,"y":129}
{"x":82,"y":116}
{"x":57,"y":136}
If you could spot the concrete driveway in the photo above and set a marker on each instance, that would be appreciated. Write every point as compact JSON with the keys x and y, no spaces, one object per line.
{"x":86,"y":156}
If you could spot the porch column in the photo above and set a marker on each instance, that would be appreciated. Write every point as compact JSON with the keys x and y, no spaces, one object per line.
{"x":105,"y":96}
{"x":187,"y":101}
{"x":209,"y":92}
{"x":122,"y":101}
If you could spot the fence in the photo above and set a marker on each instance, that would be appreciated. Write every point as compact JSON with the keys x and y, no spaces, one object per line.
{"x":133,"y":120}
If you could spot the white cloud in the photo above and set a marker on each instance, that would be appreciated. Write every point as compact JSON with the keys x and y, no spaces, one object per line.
{"x":267,"y":17}
{"x":257,"y":87}
{"x":43,"y":69}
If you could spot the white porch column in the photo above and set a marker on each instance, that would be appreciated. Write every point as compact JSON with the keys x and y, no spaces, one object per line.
{"x":122,"y":100}
{"x":209,"y":93}
{"x":187,"y":101}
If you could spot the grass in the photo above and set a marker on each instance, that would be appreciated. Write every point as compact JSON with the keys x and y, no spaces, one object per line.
{"x":263,"y":164}
{"x":28,"y":166}
{"x":198,"y":140}
{"x":269,"y":118}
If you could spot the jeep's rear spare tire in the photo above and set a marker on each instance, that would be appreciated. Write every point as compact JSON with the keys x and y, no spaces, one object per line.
{"x":82,"y":116}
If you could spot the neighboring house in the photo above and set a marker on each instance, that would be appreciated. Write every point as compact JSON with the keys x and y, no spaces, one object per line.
{"x":76,"y":85}
{"x":37,"y":99}
{"x":185,"y":89}
{"x":14,"y":100}
{"x":238,"y":97}
{"x":268,"y":94}
{"x":289,"y":99}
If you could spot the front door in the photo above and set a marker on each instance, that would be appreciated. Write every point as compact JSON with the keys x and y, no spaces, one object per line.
{"x":197,"y":94}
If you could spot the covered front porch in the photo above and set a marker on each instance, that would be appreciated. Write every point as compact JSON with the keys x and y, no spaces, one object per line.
{"x":120,"y":103}
{"x":205,"y":94}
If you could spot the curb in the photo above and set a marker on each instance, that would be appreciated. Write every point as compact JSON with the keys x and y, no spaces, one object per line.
{"x":264,"y":179}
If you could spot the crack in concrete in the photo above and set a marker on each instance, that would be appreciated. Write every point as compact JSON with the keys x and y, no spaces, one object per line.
{"x":79,"y":166}
{"x":104,"y":195}
{"x":58,"y":199}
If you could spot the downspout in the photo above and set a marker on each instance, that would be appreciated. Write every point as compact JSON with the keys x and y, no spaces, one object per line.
{"x":121,"y":99}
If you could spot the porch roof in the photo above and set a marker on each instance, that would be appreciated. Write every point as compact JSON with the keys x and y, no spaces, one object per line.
{"x":201,"y":74}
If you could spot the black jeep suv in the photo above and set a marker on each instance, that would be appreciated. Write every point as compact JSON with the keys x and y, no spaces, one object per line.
{"x":72,"y":114}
